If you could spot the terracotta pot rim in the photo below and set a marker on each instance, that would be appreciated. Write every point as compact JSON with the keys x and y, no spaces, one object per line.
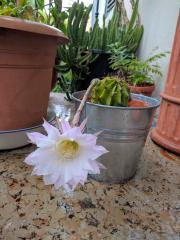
{"x":143,"y":87}
{"x":170,"y":98}
{"x":145,"y":90}
{"x":162,"y":141}
{"x":9,"y":22}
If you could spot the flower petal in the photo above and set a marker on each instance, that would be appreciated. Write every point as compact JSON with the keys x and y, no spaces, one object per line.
{"x":53,"y":132}
{"x":87,"y":139}
{"x":40,"y":140}
{"x":101,"y":165}
{"x":44,"y":160}
{"x":31,"y":158}
{"x":83,"y":124}
{"x":47,"y":179}
{"x":65,"y":126}
{"x":95,"y":167}
{"x":48,"y":162}
{"x":73,"y":133}
{"x":98,"y":133}
{"x":92,"y":152}
{"x":50,"y":179}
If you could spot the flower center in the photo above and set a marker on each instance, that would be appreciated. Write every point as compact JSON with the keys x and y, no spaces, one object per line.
{"x":67,"y":149}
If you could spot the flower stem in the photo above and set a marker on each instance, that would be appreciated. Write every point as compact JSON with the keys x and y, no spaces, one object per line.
{"x":83,"y":101}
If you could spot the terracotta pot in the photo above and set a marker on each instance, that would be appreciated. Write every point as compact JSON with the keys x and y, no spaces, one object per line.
{"x":54,"y":75}
{"x":167,"y":131}
{"x":27,"y":57}
{"x":146,"y":90}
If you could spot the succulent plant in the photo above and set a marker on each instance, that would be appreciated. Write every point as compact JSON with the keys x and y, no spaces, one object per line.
{"x":74,"y":58}
{"x":124,"y":34}
{"x":102,"y":37}
{"x":111,"y":91}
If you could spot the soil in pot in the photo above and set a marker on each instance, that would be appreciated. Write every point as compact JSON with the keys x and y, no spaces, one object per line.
{"x":137,"y":103}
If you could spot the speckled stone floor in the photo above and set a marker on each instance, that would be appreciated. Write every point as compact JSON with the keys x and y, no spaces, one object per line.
{"x":147,"y":207}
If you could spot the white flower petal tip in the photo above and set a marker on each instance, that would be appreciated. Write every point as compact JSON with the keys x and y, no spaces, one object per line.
{"x":83,"y":124}
{"x":65,"y":157}
{"x":65,"y":126}
{"x":98,"y":133}
{"x":102,"y":166}
{"x":39,"y":139}
{"x":53,"y":132}
{"x":31,"y":137}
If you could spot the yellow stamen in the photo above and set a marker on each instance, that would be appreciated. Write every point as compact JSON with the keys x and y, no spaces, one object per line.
{"x":67,"y":149}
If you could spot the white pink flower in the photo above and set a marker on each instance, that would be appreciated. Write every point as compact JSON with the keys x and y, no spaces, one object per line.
{"x":65,"y":157}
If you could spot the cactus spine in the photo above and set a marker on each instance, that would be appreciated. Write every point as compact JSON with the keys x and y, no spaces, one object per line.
{"x":111,"y":91}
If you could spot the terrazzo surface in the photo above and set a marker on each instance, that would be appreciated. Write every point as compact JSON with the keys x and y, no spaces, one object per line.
{"x":147,"y":207}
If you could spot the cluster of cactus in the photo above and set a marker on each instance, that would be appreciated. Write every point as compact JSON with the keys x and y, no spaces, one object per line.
{"x":132,"y":32}
{"x":75,"y":57}
{"x":128,"y":34}
{"x":111,"y":91}
{"x":101,"y":38}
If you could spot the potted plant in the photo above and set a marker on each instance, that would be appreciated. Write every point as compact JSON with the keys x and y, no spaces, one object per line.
{"x":118,"y":31}
{"x":87,"y":55}
{"x":74,"y":58}
{"x":37,"y":11}
{"x":139,"y":74}
{"x":124,"y":120}
{"x":20,"y":9}
{"x":167,"y":130}
{"x":26,"y":66}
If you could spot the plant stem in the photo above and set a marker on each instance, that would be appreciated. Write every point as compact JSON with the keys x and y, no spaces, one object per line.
{"x":83,"y":101}
{"x":17,"y":3}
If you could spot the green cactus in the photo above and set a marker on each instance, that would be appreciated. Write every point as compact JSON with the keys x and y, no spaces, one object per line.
{"x":116,"y":31}
{"x":75,"y":57}
{"x":101,"y":38}
{"x":111,"y":91}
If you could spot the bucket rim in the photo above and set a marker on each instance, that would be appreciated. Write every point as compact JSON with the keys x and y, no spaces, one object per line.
{"x":155,"y":103}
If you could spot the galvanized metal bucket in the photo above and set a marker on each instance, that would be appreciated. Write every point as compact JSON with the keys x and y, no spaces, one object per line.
{"x":124,"y":134}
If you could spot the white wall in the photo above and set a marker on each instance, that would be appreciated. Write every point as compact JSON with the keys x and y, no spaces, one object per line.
{"x":159,"y":18}
{"x":102,"y":4}
{"x":128,"y":8}
{"x":102,"y":7}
